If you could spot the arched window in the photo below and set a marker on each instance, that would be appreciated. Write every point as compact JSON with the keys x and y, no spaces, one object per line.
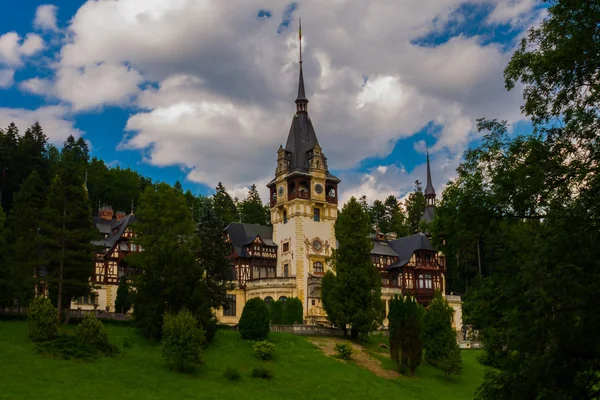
{"x":318,"y":267}
{"x":421,"y":281}
{"x":282,"y":299}
{"x":268,"y":301}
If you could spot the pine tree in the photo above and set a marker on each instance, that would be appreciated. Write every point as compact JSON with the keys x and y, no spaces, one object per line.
{"x":123,"y":300}
{"x":6,"y":270}
{"x":32,"y":154}
{"x":394,"y":216}
{"x":377,"y":214}
{"x":9,"y":149}
{"x":27,"y":214}
{"x":354,"y":294}
{"x":224,"y":205}
{"x":67,"y":228}
{"x":415,"y":207}
{"x":251,"y":209}
{"x":405,"y":325}
{"x":439,"y":338}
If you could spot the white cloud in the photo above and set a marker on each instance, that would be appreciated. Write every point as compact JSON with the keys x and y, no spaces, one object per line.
{"x":55,"y":120}
{"x":514,"y":12}
{"x":45,"y":18}
{"x":13,"y":49}
{"x":227,"y":81}
{"x":6,"y":78}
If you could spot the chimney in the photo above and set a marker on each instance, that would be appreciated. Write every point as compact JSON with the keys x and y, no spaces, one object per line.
{"x":390,"y":236}
{"x":106,"y":213}
{"x":120,"y":215}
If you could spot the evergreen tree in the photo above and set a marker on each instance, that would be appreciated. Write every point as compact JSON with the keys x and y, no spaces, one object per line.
{"x":67,"y":228}
{"x":405,"y":326}
{"x":355,"y":295}
{"x":224,"y":205}
{"x":332,"y":300}
{"x":123,"y":300}
{"x":213,"y":253}
{"x":27,"y":214}
{"x":394,"y":216}
{"x":172,"y":277}
{"x":439,"y":338}
{"x":415,"y":207}
{"x":6,"y":270}
{"x":254,"y":322}
{"x":378,"y":217}
{"x":252,"y":210}
{"x":32,"y":154}
{"x":293,"y":313}
{"x":9,"y":150}
{"x":276,"y":312}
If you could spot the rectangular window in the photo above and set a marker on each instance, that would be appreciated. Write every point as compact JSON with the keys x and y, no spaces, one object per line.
{"x":286,"y":270}
{"x":286,"y":246}
{"x":229,"y":309}
{"x":313,"y":302}
{"x":317,"y":216}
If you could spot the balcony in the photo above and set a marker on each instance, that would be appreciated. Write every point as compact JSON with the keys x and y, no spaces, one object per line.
{"x":299,"y":195}
{"x":331,"y":199}
{"x":276,"y":282}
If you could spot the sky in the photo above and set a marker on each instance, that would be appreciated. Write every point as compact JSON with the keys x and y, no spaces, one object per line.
{"x":203,"y":91}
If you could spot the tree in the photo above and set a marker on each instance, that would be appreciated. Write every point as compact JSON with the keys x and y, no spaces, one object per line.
{"x":254,"y":322}
{"x":172,"y":276}
{"x":354,"y":294}
{"x":439,"y":338}
{"x":28,"y":211}
{"x":394,"y":216}
{"x":182,"y":340}
{"x":536,"y":309}
{"x":276,"y":311}
{"x":9,"y":150}
{"x":67,"y":228}
{"x":294,"y":313}
{"x":377,"y":214}
{"x":123,"y":301}
{"x":6,"y":271}
{"x":252,"y":210}
{"x":415,"y":207}
{"x":224,"y":205}
{"x":405,"y":326}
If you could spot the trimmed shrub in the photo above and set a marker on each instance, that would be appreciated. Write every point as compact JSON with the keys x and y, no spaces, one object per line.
{"x":232,"y":374}
{"x":344,"y":351}
{"x":293,"y":314}
{"x":42,"y":320}
{"x":262,"y":373}
{"x":254,"y":323}
{"x":264,"y":350}
{"x":182,"y":340}
{"x":90,"y":332}
{"x":276,"y":312}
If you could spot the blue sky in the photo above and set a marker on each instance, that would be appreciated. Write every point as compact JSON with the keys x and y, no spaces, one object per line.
{"x":201,"y":92}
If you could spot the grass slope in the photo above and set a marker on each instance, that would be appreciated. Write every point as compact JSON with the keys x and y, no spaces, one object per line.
{"x":300,"y":370}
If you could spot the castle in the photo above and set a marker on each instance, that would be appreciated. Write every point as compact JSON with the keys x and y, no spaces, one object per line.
{"x":289,"y":258}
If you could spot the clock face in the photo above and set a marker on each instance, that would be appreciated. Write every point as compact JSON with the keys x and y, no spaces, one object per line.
{"x":317,"y":245}
{"x":281,"y":190}
{"x":319,"y":188}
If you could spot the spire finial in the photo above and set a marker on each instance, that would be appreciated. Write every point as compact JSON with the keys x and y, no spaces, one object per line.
{"x":429,"y":190}
{"x":301,"y":101}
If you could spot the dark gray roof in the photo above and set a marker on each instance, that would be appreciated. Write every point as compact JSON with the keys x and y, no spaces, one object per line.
{"x":382,"y":248}
{"x":428,"y":214}
{"x":406,"y":246}
{"x":301,"y":91}
{"x":301,"y":140}
{"x":107,"y":227}
{"x":243,"y":234}
{"x":429,"y":190}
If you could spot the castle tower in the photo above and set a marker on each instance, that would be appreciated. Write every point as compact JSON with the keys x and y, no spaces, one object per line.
{"x":429,"y":198}
{"x":303,"y":200}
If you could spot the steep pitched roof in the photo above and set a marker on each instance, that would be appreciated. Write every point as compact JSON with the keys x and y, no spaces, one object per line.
{"x":406,"y":246}
{"x":107,"y":227}
{"x":429,"y":190}
{"x":428,"y":214}
{"x":301,"y":140}
{"x":244,"y":234}
{"x":383,"y":248}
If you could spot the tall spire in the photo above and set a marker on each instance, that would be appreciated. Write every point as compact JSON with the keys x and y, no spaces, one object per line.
{"x":301,"y":101}
{"x":429,"y":190}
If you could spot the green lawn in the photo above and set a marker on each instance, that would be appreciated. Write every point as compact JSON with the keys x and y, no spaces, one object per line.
{"x":300,"y":370}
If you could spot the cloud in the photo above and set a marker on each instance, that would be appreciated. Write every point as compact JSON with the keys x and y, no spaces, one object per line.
{"x":13,"y":49}
{"x":56,"y":120}
{"x":45,"y":18}
{"x":6,"y":78}
{"x":513,"y":12}
{"x":213,"y":84}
